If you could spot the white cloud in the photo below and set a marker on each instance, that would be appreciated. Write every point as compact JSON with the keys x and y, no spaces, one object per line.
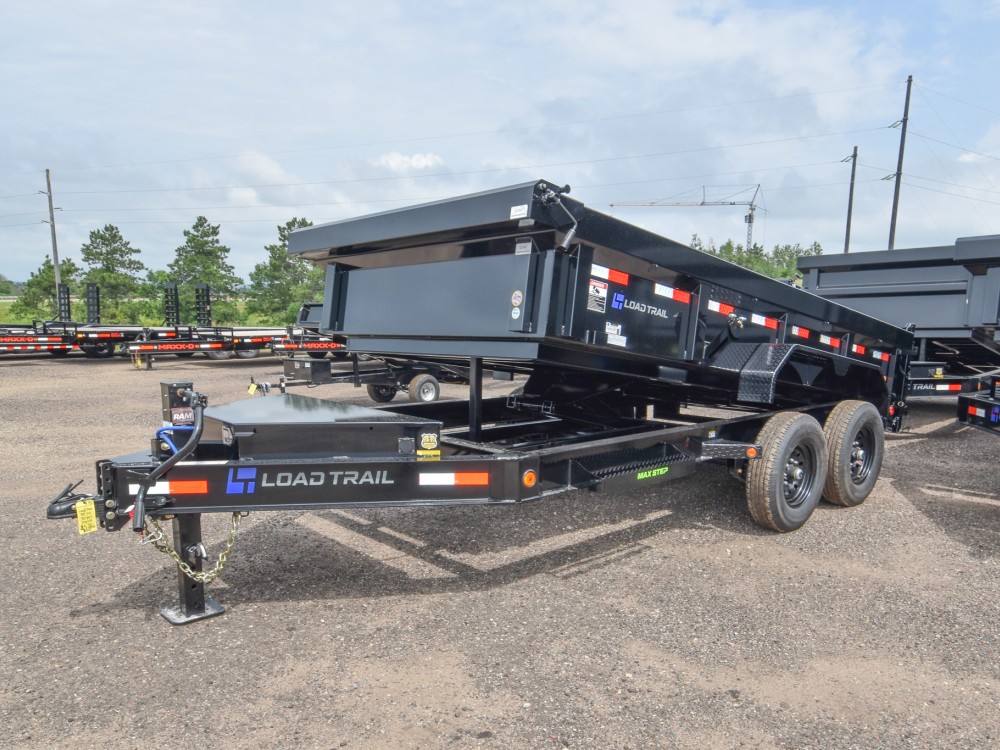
{"x":403,"y":164}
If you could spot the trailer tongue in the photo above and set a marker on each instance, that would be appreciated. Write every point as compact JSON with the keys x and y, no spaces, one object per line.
{"x":619,"y":333}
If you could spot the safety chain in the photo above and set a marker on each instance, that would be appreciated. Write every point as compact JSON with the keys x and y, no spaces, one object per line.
{"x":159,"y":540}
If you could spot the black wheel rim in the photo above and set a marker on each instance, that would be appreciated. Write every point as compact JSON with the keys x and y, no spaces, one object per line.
{"x":800,"y":475}
{"x":862,"y":455}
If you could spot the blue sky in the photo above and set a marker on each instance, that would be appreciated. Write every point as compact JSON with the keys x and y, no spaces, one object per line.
{"x":251,"y":113}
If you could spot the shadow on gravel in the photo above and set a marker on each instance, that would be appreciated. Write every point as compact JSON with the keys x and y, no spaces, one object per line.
{"x":420,"y":551}
{"x":930,"y":466}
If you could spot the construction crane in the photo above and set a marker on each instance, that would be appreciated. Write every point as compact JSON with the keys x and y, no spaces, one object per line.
{"x":751,"y":206}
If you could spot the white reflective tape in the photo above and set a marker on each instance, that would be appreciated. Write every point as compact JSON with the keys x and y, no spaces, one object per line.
{"x":437,"y":480}
{"x":601,"y":272}
{"x":160,"y":488}
{"x":713,"y":305}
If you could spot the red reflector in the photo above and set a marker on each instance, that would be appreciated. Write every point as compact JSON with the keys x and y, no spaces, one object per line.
{"x":189,"y":487}
{"x":618,"y":277}
{"x":972,"y":410}
{"x":684,"y":297}
{"x":858,"y":349}
{"x":472,"y":479}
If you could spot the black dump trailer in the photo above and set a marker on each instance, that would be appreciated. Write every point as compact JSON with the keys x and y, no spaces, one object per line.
{"x":640,"y":359}
{"x":949,"y":295}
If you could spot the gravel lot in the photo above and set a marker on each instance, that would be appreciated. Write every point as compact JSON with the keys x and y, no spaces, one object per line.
{"x":656,"y":619}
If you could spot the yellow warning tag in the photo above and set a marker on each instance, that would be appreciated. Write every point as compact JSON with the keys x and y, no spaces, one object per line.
{"x":86,"y":516}
{"x":252,"y":389}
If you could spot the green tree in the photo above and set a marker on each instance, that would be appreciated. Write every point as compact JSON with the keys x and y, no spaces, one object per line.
{"x":283,"y":282}
{"x":780,"y":263}
{"x":202,"y":259}
{"x":115,"y":268}
{"x":786,"y":259}
{"x":38,"y":300}
{"x":6,"y":285}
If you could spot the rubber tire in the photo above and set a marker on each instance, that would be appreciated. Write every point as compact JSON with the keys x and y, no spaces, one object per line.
{"x":247,"y":353}
{"x":424,"y":389}
{"x":221,"y":355}
{"x":780,"y":438}
{"x":316,"y":355}
{"x":846,"y":423}
{"x":98,"y":351}
{"x":381,"y":394}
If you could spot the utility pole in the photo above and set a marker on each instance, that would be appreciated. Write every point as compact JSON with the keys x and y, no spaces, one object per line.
{"x":850,"y":199}
{"x":899,"y":164}
{"x":52,"y":226}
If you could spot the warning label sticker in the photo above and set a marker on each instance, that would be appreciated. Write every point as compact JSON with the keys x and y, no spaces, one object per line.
{"x":597,"y":300}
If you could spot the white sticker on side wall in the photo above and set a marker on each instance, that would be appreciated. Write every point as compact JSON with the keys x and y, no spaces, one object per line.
{"x":616,"y":340}
{"x":519,"y":212}
{"x":614,"y":329}
{"x":597,"y":299}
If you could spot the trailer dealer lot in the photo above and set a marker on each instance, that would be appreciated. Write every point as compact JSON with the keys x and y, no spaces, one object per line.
{"x":661,"y":618}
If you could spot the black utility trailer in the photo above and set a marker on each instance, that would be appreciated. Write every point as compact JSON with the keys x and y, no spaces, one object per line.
{"x":382,"y":378}
{"x":643,"y":359}
{"x":949,"y":295}
{"x":982,"y":409}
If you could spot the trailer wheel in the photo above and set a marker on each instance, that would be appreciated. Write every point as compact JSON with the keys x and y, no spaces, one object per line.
{"x":221,"y":354}
{"x":381,"y":394}
{"x":424,"y":389}
{"x":856,"y":440}
{"x":785,"y":484}
{"x":100,"y":350}
{"x":247,"y":353}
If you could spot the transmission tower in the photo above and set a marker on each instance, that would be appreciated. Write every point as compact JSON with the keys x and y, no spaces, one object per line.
{"x":750,"y":204}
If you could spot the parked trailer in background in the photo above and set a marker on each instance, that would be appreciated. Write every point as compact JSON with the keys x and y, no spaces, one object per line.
{"x":644,"y":359}
{"x":950,"y":295}
{"x":982,"y":409}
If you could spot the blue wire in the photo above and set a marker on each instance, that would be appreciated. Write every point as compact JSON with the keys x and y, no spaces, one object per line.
{"x":161,"y":434}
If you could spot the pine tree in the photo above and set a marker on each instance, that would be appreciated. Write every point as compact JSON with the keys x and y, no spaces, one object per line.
{"x":38,"y":299}
{"x":202,"y":259}
{"x":116,"y":269}
{"x":283,"y":282}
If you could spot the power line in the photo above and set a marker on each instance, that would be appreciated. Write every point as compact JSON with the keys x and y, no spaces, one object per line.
{"x":955,"y":146}
{"x":961,"y":101}
{"x":466,"y":173}
{"x":499,"y":131}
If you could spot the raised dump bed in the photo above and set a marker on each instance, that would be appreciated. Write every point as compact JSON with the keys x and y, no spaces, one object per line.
{"x":529,"y":279}
{"x":621,"y":337}
{"x":949,"y":295}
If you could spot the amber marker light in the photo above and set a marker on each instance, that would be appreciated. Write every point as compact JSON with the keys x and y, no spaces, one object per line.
{"x":751,"y":452}
{"x":529,"y":478}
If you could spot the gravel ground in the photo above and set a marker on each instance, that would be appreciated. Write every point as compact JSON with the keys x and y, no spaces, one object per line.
{"x":646,"y":619}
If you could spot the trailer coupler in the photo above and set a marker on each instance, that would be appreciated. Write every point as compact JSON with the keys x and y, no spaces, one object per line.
{"x":63,"y":505}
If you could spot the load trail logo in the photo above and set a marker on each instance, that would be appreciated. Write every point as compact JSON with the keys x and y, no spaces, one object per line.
{"x":245,"y":481}
{"x":620,"y":302}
